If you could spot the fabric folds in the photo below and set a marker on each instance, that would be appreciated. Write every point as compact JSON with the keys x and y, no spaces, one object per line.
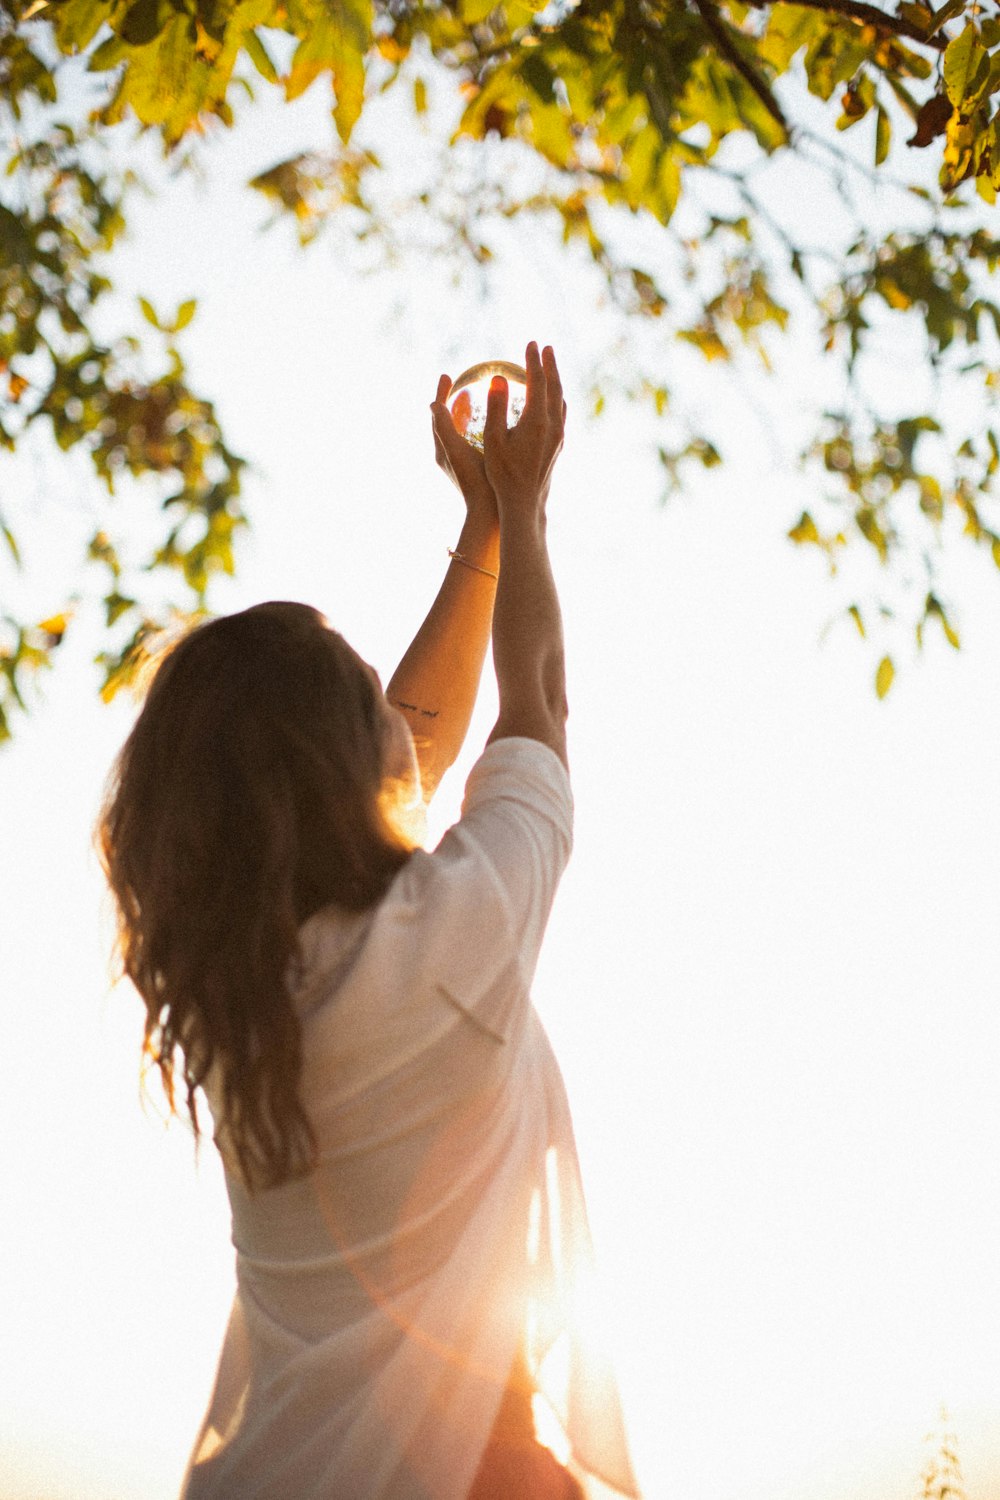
{"x":382,"y":1301}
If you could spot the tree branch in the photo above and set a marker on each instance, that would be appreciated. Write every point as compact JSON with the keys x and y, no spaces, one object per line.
{"x":867,"y":15}
{"x":716,"y":28}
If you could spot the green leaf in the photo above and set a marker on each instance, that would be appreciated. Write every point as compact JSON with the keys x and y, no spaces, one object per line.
{"x":336,"y":41}
{"x":834,"y":57}
{"x":108,"y":55}
{"x":170,"y":82}
{"x":883,"y":136}
{"x":77,"y":22}
{"x":116,"y":605}
{"x":912,"y":108}
{"x":184,"y":314}
{"x":962,"y":59}
{"x":884,"y":676}
{"x":259,"y":56}
{"x":855,"y":614}
{"x":16,"y":243}
{"x":11,"y":541}
{"x":474,"y":11}
{"x":867,"y":523}
{"x":946,"y":13}
{"x":804,"y":530}
{"x":918,"y":15}
{"x":933,"y":606}
{"x":144,"y":21}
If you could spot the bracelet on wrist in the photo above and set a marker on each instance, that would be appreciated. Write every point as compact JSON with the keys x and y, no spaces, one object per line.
{"x":457,"y":557}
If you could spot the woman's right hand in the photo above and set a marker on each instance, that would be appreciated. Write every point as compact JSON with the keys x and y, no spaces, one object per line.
{"x":519,"y":460}
{"x":527,"y":626}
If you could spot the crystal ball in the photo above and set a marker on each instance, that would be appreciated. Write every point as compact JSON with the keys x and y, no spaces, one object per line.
{"x":467,"y":397}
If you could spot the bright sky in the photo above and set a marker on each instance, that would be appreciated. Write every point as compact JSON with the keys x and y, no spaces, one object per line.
{"x":771,"y":975}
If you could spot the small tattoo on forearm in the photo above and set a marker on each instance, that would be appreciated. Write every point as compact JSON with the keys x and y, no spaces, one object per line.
{"x":426,"y":713}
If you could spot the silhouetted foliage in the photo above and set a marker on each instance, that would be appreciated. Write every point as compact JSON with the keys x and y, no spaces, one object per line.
{"x":630,"y":110}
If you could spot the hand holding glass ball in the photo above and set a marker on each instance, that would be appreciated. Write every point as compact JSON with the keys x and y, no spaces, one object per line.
{"x":522,"y":457}
{"x":468,"y":396}
{"x":459,"y":419}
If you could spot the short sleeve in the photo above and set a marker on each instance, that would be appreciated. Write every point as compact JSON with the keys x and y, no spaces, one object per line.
{"x":500,"y":865}
{"x":458,"y":933}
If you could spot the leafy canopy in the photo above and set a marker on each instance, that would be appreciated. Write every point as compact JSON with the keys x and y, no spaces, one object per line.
{"x":637,"y":113}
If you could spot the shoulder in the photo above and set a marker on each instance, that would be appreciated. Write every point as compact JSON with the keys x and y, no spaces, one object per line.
{"x":523,"y":771}
{"x":464,"y":921}
{"x":516,"y":825}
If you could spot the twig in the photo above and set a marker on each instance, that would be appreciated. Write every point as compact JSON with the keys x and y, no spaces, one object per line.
{"x":876,"y":177}
{"x":867,"y":15}
{"x":714,"y":25}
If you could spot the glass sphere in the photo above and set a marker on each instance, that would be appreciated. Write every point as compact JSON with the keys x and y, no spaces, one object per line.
{"x":467,"y":397}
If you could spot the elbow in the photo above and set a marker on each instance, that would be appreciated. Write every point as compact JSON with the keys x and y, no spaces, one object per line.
{"x":554,"y":690}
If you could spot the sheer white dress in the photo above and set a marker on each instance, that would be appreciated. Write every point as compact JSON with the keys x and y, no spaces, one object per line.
{"x":382,"y":1301}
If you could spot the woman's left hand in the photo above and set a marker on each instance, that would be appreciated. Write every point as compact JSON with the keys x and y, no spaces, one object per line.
{"x":458,"y":458}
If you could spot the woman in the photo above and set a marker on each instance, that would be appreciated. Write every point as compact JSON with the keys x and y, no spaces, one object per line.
{"x":407,"y":1215}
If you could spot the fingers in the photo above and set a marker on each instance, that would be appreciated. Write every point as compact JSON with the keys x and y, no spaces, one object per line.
{"x":447,"y":423}
{"x":442,"y":425}
{"x":533,"y":369}
{"x":496,"y":406}
{"x":461,"y":412}
{"x":544,"y":395}
{"x":555,"y":406}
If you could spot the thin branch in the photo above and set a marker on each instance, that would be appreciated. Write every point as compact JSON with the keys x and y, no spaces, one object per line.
{"x":868,"y":15}
{"x":757,"y":207}
{"x":876,"y":177}
{"x":717,"y":30}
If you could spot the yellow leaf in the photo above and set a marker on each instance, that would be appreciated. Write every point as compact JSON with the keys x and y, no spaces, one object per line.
{"x":804,"y":530}
{"x":259,"y":56}
{"x":391,"y":48}
{"x":55,"y":626}
{"x":184,"y":314}
{"x":705,"y":338}
{"x":893,"y":294}
{"x":419,"y":96}
{"x":962,"y":58}
{"x":883,"y":136}
{"x":474,"y":11}
{"x":354,"y":27}
{"x":883,"y":677}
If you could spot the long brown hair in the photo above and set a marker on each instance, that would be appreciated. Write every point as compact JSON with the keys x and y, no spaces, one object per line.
{"x":249,"y":794}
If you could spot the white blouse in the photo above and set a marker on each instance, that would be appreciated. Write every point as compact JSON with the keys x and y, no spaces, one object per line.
{"x":382,"y":1300}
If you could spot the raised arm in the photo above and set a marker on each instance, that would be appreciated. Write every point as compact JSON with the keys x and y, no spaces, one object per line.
{"x":527,"y":625}
{"x":436,"y":683}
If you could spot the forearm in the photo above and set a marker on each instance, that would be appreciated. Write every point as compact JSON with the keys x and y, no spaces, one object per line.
{"x":528,"y":649}
{"x":436,"y":683}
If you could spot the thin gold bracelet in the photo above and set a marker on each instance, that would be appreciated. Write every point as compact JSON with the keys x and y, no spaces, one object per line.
{"x":457,"y":557}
